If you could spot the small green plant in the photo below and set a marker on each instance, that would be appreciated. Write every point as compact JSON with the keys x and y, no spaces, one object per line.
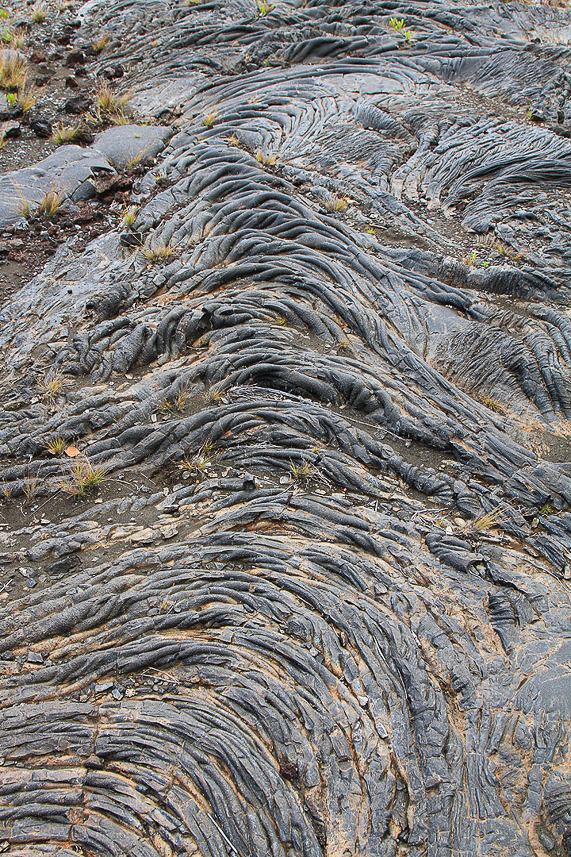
{"x":302,"y":472}
{"x":65,"y":133}
{"x":56,"y":445}
{"x":4,"y":14}
{"x":547,"y":509}
{"x":335,"y":203}
{"x":7,"y":35}
{"x":233,"y":140}
{"x":159,"y":252}
{"x":11,"y":99}
{"x":370,"y":231}
{"x":529,"y":113}
{"x":471,"y":258}
{"x":39,"y":13}
{"x":84,"y":476}
{"x":50,"y":204}
{"x":188,"y":465}
{"x":129,"y":215}
{"x":100,"y":43}
{"x":263,"y":8}
{"x":494,"y":405}
{"x":265,"y":158}
{"x":209,"y":118}
{"x":51,"y":384}
{"x":397,"y":26}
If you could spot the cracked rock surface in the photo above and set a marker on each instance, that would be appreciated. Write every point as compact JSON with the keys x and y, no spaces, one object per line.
{"x":285,"y":460}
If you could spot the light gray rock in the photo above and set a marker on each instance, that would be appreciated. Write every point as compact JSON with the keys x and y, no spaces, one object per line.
{"x":127,"y":143}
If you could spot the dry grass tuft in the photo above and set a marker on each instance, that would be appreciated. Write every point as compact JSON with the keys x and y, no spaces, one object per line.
{"x":265,"y":158}
{"x":335,"y":203}
{"x":100,"y":43}
{"x":110,"y":105}
{"x":129,"y":215}
{"x":51,"y":203}
{"x":39,"y":13}
{"x":302,"y":472}
{"x":51,"y":384}
{"x":159,"y":252}
{"x":56,"y":445}
{"x":13,"y":73}
{"x":65,"y":133}
{"x":84,"y":477}
{"x":201,"y":461}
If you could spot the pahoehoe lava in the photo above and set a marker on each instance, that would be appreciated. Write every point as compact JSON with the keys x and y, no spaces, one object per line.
{"x":320,"y":606}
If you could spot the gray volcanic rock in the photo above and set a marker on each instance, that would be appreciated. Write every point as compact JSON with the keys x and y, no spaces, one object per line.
{"x":125,"y":144}
{"x":285,"y":458}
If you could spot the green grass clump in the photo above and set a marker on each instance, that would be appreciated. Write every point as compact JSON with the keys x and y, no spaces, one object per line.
{"x":50,"y":385}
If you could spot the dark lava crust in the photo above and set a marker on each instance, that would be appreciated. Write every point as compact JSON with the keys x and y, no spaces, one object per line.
{"x":285,"y":469}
